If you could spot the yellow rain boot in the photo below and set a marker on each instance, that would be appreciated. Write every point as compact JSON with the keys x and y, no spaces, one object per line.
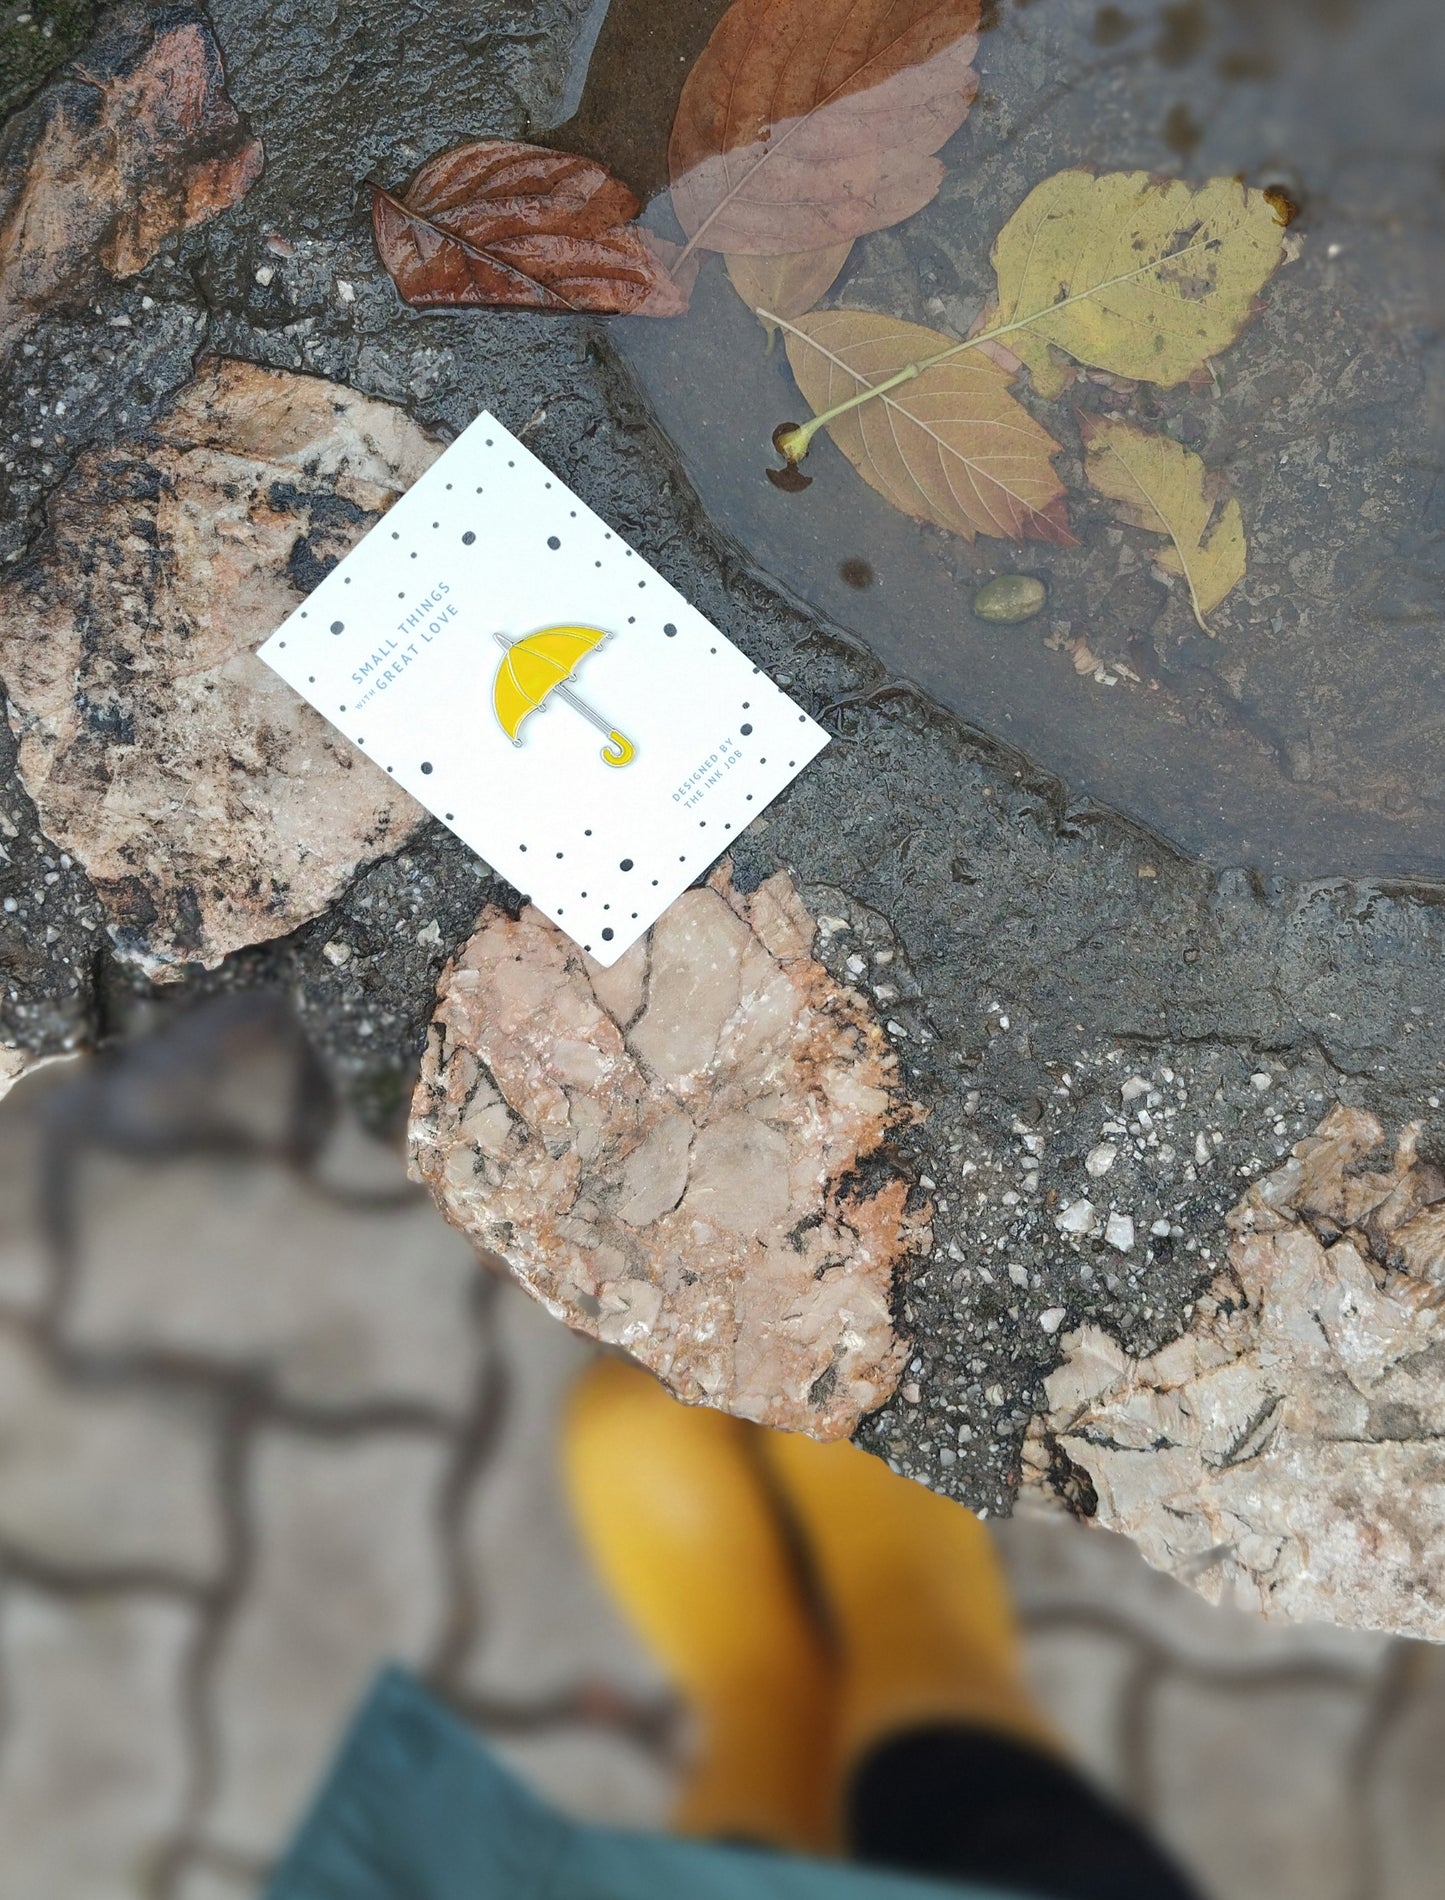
{"x":922,"y":1617}
{"x":674,"y":1508}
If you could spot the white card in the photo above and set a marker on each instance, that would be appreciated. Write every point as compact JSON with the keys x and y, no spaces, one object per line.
{"x":506,"y":657}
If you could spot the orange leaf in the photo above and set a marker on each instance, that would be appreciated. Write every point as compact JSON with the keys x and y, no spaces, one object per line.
{"x":950,"y":446}
{"x":807,"y":122}
{"x":501,"y":223}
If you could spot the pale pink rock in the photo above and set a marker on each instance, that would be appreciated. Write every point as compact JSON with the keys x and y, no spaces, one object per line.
{"x":210,"y":805}
{"x":664,"y":1152}
{"x":1284,"y":1454}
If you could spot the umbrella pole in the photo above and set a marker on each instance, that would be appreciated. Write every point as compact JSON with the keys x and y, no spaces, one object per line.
{"x":622,"y":746}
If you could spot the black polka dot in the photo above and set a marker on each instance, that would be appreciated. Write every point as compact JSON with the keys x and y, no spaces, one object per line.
{"x":632,"y":620}
{"x":597,"y":564}
{"x":586,"y":946}
{"x":310,"y":679}
{"x":489,"y":441}
{"x":346,"y":580}
{"x":553,"y":542}
{"x":642,"y":583}
{"x":413,"y":554}
{"x":712,"y":649}
{"x":626,"y":865}
{"x":450,"y":817}
{"x":654,"y":883}
{"x":802,"y":719}
{"x":448,"y":484}
{"x":426,"y":765}
{"x":670,"y":630}
{"x":588,"y":832}
{"x":303,"y":613}
{"x":338,"y":626}
{"x":559,"y":854}
{"x":394,"y":535}
{"x":746,"y":704}
{"x":745,"y":731}
{"x":468,"y":538}
{"x":607,"y":933}
{"x":520,"y":847}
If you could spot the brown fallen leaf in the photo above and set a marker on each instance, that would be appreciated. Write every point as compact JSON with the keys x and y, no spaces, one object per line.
{"x":950,"y":446}
{"x":806,"y":122}
{"x":786,"y":286}
{"x":130,"y":143}
{"x":1164,"y":487}
{"x":497,"y":222}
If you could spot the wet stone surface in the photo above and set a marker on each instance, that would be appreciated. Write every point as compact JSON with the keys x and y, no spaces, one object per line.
{"x":1029,"y":952}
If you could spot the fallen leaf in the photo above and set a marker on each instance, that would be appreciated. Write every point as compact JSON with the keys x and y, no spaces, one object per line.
{"x":1142,"y":276}
{"x":501,"y":223}
{"x":950,"y":446}
{"x":1164,"y":487}
{"x":786,"y":286}
{"x":806,"y":122}
{"x":129,"y":144}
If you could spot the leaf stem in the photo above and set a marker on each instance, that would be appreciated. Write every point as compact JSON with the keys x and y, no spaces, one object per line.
{"x":795,"y":443}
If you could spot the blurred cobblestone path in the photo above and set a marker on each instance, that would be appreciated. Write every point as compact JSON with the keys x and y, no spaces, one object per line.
{"x":263,"y":1427}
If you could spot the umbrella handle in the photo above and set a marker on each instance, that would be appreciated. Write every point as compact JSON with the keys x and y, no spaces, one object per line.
{"x":618,"y":750}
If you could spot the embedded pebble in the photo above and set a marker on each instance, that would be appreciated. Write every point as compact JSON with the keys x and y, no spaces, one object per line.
{"x":1010,"y":598}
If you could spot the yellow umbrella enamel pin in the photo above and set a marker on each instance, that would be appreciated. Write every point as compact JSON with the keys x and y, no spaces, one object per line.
{"x":541,"y":666}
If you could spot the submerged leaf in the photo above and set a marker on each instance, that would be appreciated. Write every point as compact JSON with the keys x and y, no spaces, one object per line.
{"x":786,"y":286}
{"x":806,"y":122}
{"x":1162,"y":486}
{"x":1127,"y":272}
{"x":950,"y":445}
{"x":501,"y":223}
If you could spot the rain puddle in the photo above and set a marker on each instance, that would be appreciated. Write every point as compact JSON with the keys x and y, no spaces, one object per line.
{"x":1307,"y":736}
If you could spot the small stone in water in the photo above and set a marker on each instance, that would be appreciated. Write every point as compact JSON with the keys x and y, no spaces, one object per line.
{"x":1009,"y":598}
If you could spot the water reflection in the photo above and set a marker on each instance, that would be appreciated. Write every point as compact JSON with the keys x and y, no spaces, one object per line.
{"x":1310,"y":736}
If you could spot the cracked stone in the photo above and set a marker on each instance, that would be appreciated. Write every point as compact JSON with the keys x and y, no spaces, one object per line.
{"x":131,"y":143}
{"x":667,"y":1153}
{"x":347,"y":1575}
{"x":1283,"y":1453}
{"x":69,"y":1459}
{"x":95,"y":1760}
{"x":211,"y":807}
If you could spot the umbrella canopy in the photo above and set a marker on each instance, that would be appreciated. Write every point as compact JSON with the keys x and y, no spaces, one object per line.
{"x":541,"y":664}
{"x":532,"y":667}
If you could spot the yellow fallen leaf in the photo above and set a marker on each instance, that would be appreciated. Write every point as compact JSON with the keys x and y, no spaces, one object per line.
{"x":1127,"y":272}
{"x":786,"y":286}
{"x":948,"y":445}
{"x":1162,"y":486}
